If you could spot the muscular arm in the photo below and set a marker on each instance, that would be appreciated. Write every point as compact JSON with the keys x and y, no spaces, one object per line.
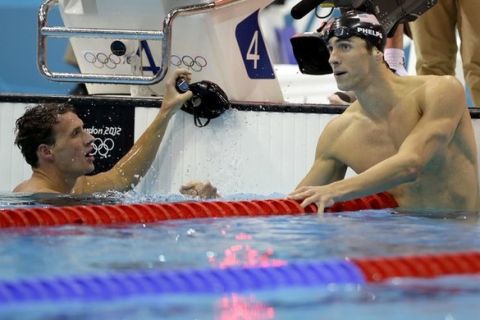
{"x":134,"y":165}
{"x":442,"y":108}
{"x":326,"y":168}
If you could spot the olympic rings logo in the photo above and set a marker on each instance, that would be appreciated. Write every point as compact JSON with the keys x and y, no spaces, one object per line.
{"x":195,"y":64}
{"x":102,"y":147}
{"x":102,"y":60}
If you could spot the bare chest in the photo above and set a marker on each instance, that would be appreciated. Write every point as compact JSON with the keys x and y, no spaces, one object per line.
{"x":369,"y":143}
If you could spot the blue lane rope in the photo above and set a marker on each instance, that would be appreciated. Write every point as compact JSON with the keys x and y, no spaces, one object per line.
{"x":200,"y":281}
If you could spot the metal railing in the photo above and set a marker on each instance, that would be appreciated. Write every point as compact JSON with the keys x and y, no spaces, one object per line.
{"x":165,"y":36}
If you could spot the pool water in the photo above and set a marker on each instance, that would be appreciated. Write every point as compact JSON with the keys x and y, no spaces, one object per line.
{"x":30,"y":253}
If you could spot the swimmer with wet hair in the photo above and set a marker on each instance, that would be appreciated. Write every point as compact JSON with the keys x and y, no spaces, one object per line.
{"x":411,"y":136}
{"x":58,"y":148}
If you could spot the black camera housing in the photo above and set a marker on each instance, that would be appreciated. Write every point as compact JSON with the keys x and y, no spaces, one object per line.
{"x":311,"y":53}
{"x":388,"y":12}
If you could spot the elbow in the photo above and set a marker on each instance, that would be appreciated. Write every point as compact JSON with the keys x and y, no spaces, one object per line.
{"x":412,"y":169}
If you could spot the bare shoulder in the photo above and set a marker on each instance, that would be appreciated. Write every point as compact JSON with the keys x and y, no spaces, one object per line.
{"x":446,"y":92}
{"x":31,"y":186}
{"x":22,"y":187}
{"x":440,"y":83}
{"x":352,"y":112}
{"x":437,"y":91}
{"x":339,"y":125}
{"x":434,"y":86}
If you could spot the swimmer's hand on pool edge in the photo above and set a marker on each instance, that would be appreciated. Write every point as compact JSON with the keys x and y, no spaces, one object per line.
{"x":199,"y":189}
{"x":317,"y":195}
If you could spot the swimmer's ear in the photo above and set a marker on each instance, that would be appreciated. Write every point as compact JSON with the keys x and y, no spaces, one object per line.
{"x":44,"y":151}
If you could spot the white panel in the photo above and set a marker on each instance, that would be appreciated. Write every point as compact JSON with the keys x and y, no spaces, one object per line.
{"x":255,"y":152}
{"x":12,"y":164}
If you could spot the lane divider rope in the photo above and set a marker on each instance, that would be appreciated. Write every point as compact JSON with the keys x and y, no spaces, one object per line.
{"x":148,"y":213}
{"x":237,"y":279}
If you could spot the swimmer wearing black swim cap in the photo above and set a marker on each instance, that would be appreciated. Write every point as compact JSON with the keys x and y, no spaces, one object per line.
{"x":410,"y":136}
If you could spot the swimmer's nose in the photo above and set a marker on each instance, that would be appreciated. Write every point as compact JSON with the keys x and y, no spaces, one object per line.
{"x":90,"y":140}
{"x":333,"y":60}
{"x":89,"y":137}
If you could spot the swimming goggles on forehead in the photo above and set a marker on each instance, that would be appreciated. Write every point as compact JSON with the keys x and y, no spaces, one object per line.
{"x":341,"y":28}
{"x":349,"y":27}
{"x":340,"y":32}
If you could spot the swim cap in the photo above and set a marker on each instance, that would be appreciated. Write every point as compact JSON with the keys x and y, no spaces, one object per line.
{"x":354,"y":23}
{"x":209,"y":101}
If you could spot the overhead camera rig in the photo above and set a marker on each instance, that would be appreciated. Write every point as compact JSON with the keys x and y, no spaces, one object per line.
{"x":309,"y":48}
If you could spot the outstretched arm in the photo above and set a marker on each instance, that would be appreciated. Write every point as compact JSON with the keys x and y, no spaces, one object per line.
{"x":326,"y":168}
{"x":443,"y":107}
{"x":134,"y":165}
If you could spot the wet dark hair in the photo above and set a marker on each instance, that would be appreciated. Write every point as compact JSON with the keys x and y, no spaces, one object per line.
{"x":35,"y":127}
